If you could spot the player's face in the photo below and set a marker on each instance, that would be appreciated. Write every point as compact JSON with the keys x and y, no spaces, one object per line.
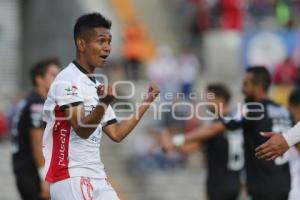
{"x":98,"y":47}
{"x":248,"y":86}
{"x":50,"y":75}
{"x":216,"y":105}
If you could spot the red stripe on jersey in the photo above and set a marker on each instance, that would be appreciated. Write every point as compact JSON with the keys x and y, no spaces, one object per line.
{"x":59,"y":164}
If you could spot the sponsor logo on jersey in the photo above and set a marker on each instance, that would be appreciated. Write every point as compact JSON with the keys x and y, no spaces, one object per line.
{"x":62,"y":149}
{"x":71,"y":90}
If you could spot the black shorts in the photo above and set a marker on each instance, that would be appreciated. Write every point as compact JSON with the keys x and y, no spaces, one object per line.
{"x":270,"y":196}
{"x":29,"y":185}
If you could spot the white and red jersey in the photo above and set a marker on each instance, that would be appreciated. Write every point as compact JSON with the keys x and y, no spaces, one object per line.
{"x":295,"y":173}
{"x":66,"y":154}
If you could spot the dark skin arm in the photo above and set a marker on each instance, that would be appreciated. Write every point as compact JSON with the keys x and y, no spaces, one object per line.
{"x":273,"y":148}
{"x":83,"y":125}
{"x":190,"y":147}
{"x":36,"y":142}
{"x":194,"y":138}
{"x":206,"y":132}
{"x":298,"y":146}
{"x":118,"y":131}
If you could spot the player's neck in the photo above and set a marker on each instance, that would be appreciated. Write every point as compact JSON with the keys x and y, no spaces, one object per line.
{"x":225,"y":111}
{"x":42,"y":92}
{"x":261,"y":97}
{"x":296,"y":117}
{"x":82,"y":62}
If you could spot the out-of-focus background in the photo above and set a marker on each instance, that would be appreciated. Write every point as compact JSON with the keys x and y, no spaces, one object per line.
{"x":180,"y":44}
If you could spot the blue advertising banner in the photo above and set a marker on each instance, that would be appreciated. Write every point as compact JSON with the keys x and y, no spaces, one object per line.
{"x":270,"y":48}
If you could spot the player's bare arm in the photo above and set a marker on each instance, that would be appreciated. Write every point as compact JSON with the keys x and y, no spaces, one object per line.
{"x":276,"y":146}
{"x":36,"y":141}
{"x":206,"y":132}
{"x":168,"y":146}
{"x":83,"y":125}
{"x":200,"y":134}
{"x":118,"y":131}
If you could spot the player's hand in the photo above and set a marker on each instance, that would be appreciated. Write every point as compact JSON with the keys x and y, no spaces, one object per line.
{"x":45,"y":190}
{"x":276,"y":146}
{"x":106,"y":94}
{"x":166,"y":141}
{"x":153,"y":92}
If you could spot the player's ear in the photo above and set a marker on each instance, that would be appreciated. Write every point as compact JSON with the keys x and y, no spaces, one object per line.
{"x":80,"y":43}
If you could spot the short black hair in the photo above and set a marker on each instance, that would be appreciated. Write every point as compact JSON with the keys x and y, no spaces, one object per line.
{"x":41,"y":67}
{"x":220,"y":90}
{"x":89,"y":21}
{"x":294,"y":98}
{"x":261,"y":75}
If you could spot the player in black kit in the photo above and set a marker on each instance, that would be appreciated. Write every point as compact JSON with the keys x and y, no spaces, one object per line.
{"x":265,"y":180}
{"x":27,"y":131}
{"x":224,"y":149}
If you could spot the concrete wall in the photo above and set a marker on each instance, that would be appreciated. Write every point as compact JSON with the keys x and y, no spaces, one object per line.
{"x":47,"y":31}
{"x":9,"y":50}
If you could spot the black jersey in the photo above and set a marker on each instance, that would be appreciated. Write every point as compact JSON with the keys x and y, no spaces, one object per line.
{"x":264,"y":177}
{"x":225,"y":160}
{"x":27,"y":115}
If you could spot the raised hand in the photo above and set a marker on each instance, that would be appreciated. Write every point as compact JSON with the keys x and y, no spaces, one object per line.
{"x":106,"y":94}
{"x":153,"y":92}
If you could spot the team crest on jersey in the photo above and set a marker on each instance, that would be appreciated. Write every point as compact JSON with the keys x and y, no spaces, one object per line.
{"x":36,"y":114}
{"x":36,"y":107}
{"x":71,"y":90}
{"x":86,"y":188}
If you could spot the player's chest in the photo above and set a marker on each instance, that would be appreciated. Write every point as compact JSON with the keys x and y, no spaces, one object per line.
{"x":95,"y":138}
{"x":91,"y":99}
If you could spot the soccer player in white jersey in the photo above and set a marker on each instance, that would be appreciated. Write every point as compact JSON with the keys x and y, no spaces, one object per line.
{"x":77,"y":110}
{"x":278,"y":144}
{"x":294,"y":152}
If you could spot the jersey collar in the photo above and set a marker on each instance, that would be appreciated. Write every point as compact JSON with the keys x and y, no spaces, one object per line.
{"x":91,"y":77}
{"x":37,"y":96}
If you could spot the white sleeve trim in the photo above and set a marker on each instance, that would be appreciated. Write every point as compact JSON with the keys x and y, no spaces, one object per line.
{"x":292,"y":136}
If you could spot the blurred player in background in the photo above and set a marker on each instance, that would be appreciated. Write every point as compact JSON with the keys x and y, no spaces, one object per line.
{"x":224,"y":149}
{"x":279,"y":143}
{"x":27,"y":133}
{"x":77,"y":110}
{"x":265,"y":180}
{"x":294,"y":107}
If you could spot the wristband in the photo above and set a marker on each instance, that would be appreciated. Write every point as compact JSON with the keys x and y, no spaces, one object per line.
{"x":41,"y":171}
{"x":178,"y":140}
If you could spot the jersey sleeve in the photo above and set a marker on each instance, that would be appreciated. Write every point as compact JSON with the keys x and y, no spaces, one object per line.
{"x":36,"y":116}
{"x":292,"y":136}
{"x":109,"y":117}
{"x":67,"y":94}
{"x":233,"y":122}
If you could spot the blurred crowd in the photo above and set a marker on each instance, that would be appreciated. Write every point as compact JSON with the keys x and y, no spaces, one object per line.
{"x":177,"y":72}
{"x":236,"y":14}
{"x":199,"y":16}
